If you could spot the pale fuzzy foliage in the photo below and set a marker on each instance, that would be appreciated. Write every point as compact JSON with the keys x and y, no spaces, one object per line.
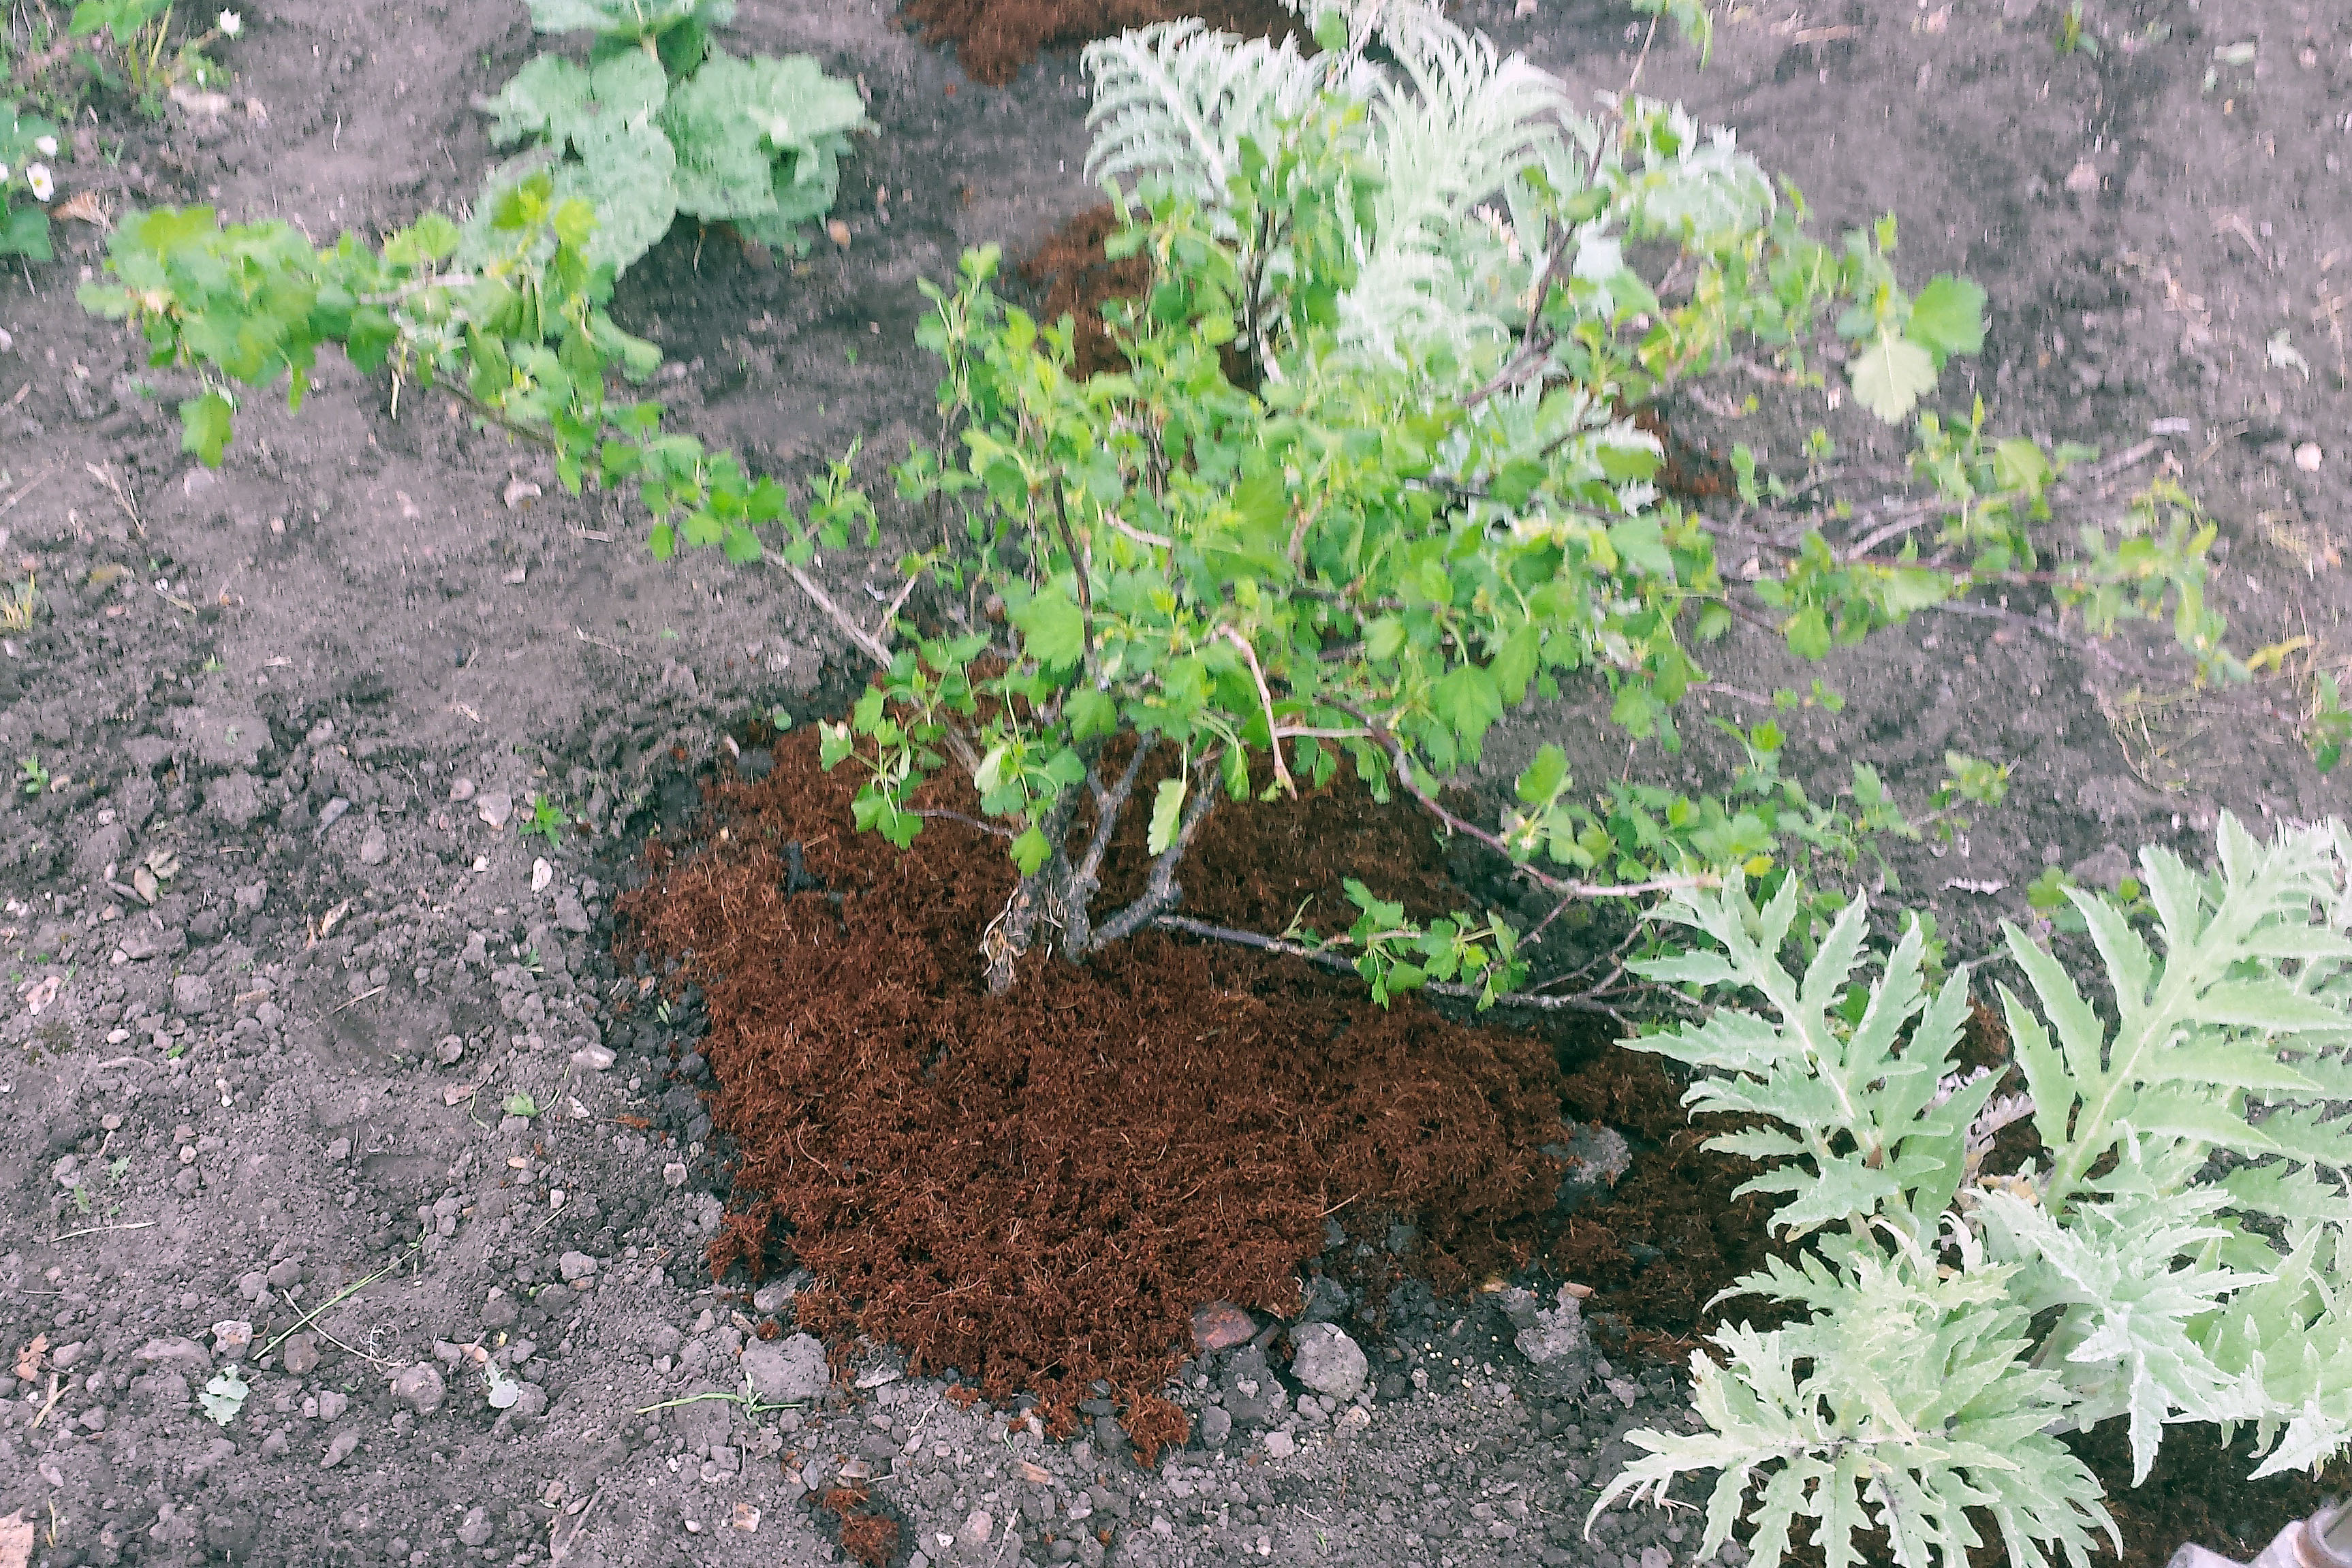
{"x":1452,"y":239}
{"x":1917,"y":1407}
{"x":2150,"y":1298}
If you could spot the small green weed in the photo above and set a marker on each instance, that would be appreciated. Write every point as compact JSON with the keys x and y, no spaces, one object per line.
{"x":32,"y":778}
{"x":546,"y":819}
{"x":18,"y":605}
{"x":2328,"y":727}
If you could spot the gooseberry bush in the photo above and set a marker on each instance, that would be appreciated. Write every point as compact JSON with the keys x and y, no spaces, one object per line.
{"x":2175,"y":1248}
{"x":1371,"y":476}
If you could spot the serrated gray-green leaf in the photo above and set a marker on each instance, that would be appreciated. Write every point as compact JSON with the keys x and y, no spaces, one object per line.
{"x":623,"y":171}
{"x":540,"y":99}
{"x":806,"y":186}
{"x":724,"y":168}
{"x":1917,"y":1406}
{"x":794,"y":104}
{"x":554,"y":99}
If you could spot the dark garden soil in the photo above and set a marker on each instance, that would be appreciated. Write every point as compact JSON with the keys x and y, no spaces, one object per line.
{"x":367,"y":1075}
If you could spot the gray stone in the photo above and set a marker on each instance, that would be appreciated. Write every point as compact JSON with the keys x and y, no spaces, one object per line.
{"x":338,"y":1449}
{"x":1280,"y":1445}
{"x":776,"y":1295}
{"x":419,"y":1387}
{"x":787,"y":1369}
{"x":1559,"y":1349}
{"x":301,"y":1355}
{"x":374,"y":848}
{"x":182,"y":1355}
{"x":1595,"y":1156}
{"x":569,"y":914}
{"x":575,"y":1267}
{"x":972,"y":1537}
{"x":192,"y":995}
{"x":145,"y":940}
{"x":531,"y":1401}
{"x":234,"y":798}
{"x":1216,"y":1426}
{"x":496,"y":808}
{"x":1328,"y":1362}
{"x":333,"y":1403}
{"x":103,"y":846}
{"x":475,"y":1528}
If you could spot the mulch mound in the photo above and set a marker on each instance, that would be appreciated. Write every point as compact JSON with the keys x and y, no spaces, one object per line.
{"x":995,"y":38}
{"x":1078,"y":277}
{"x":1038,"y":1188}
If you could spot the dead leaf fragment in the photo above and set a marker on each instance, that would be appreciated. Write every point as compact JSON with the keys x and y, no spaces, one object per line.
{"x":83,"y":206}
{"x":28,"y":1360}
{"x":39,"y":994}
{"x":198,"y":102}
{"x":838,"y":232}
{"x":15,"y":1541}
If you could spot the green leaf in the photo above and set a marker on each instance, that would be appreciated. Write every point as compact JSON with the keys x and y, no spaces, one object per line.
{"x":1052,"y":631}
{"x":1807,"y":632}
{"x":1031,"y":850}
{"x":1091,"y":713}
{"x":1641,"y":543}
{"x":1544,"y":777}
{"x":25,"y":232}
{"x":1947,"y":318}
{"x":204,"y":427}
{"x":1891,"y":376}
{"x":626,"y":176}
{"x":1167,"y":815}
{"x":724,"y":168}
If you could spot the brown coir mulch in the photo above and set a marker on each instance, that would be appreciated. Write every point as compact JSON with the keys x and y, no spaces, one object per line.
{"x":1078,"y":277}
{"x":1038,"y":1188}
{"x":995,"y":38}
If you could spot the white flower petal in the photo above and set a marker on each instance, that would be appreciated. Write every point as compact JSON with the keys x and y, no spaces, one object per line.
{"x":38,"y":176}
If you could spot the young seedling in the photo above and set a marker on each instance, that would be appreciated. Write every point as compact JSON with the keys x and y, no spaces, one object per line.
{"x":225,"y":1395}
{"x":545,"y":818}
{"x":32,"y":778}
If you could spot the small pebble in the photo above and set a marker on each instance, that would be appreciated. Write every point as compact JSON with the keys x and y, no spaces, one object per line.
{"x":2308,"y":457}
{"x":419,"y":1387}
